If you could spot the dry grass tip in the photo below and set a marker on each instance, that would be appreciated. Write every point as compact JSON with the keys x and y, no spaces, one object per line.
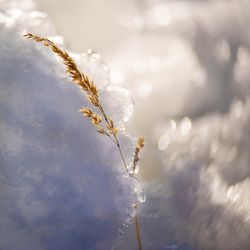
{"x":104,"y":124}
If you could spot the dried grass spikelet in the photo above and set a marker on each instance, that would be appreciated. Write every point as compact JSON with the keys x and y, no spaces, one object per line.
{"x":139,"y":146}
{"x":71,"y":68}
{"x":104,"y":124}
{"x":83,"y":82}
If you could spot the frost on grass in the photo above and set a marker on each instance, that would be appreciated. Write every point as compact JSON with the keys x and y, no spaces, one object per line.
{"x":62,"y":184}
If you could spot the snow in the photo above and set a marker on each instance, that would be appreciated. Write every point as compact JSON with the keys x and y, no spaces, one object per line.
{"x":62,"y":185}
{"x":186,"y":65}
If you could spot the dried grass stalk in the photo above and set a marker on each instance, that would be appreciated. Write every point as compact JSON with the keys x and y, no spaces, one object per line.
{"x":109,"y":129}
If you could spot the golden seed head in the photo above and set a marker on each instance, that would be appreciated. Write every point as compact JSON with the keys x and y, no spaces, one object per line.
{"x":141,"y":142}
{"x":91,"y":91}
{"x":86,"y":112}
{"x":96,"y":119}
{"x":101,"y":130}
{"x":71,"y":68}
{"x":93,"y":100}
{"x":111,"y":127}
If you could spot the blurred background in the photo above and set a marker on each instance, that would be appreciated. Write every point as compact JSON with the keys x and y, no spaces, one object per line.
{"x":186,"y":64}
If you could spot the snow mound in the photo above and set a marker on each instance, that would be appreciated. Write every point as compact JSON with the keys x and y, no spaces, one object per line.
{"x":62,"y":185}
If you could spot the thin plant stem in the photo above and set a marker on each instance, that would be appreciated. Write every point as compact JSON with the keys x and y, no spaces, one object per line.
{"x":111,"y":139}
{"x":138,"y":232}
{"x":91,"y":91}
{"x":120,"y":151}
{"x":136,"y":220}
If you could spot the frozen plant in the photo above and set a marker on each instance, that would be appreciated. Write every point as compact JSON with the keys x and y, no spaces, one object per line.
{"x":110,"y":130}
{"x":62,"y":186}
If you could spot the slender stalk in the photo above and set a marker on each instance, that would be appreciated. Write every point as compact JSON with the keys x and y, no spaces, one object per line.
{"x":91,"y":90}
{"x":116,"y":141}
{"x":120,"y":151}
{"x":111,"y":139}
{"x":103,"y":113}
{"x":136,"y":220}
{"x":138,"y":232}
{"x":115,"y":137}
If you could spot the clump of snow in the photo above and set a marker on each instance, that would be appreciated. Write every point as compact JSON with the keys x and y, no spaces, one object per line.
{"x":62,"y":185}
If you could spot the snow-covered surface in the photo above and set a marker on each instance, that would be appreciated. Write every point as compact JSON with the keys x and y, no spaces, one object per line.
{"x":186,"y":64}
{"x":62,"y":185}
